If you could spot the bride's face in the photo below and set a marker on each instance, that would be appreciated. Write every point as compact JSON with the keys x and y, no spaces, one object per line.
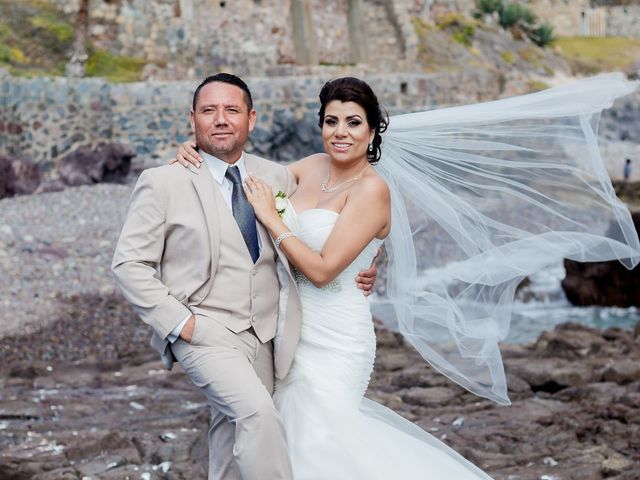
{"x":345,"y":132}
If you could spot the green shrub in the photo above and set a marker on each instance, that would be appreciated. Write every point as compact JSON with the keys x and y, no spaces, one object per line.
{"x":63,"y":32}
{"x":520,"y":19}
{"x":543,"y":35}
{"x":528,"y":17}
{"x":462,"y":29}
{"x":11,"y":55}
{"x":508,"y":57}
{"x":116,"y":68}
{"x":514,"y":13}
{"x":487,"y":7}
{"x":464,"y":35}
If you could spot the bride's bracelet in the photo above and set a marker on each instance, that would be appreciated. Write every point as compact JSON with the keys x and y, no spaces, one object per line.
{"x":282,"y":236}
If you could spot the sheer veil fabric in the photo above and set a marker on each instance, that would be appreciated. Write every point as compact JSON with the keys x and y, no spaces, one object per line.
{"x":482,"y":196}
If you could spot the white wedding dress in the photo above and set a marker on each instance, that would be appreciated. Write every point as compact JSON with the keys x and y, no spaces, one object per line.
{"x":333,"y":432}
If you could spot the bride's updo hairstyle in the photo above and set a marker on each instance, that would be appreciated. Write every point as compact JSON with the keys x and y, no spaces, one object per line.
{"x":351,"y":89}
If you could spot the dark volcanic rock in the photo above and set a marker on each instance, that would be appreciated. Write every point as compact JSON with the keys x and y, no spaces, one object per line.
{"x":28,"y":177}
{"x":86,"y":397}
{"x":88,"y":164}
{"x":622,"y":120}
{"x":570,"y":341}
{"x":627,"y":191}
{"x":7,"y":178}
{"x":288,"y":138}
{"x":603,"y":283}
{"x":104,"y":162}
{"x":552,"y":375}
{"x":622,"y":372}
{"x":17,"y":177}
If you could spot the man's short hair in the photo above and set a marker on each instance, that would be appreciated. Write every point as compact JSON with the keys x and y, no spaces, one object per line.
{"x":224,"y":78}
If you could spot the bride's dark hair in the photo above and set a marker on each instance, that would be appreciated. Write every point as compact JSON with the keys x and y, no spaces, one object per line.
{"x":351,"y":89}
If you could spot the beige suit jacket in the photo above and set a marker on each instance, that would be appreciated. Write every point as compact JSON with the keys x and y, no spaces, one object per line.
{"x":167,"y":253}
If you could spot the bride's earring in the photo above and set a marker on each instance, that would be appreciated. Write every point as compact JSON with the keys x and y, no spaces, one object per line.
{"x":371,"y":148}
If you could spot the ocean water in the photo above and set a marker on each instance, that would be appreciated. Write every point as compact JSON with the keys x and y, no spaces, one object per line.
{"x":550,"y":307}
{"x":540,"y":306}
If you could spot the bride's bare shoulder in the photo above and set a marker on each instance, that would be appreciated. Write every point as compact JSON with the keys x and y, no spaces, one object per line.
{"x":373,"y":188}
{"x":308,"y":164}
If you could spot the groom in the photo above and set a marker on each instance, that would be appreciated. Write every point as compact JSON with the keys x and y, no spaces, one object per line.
{"x":207,"y":278}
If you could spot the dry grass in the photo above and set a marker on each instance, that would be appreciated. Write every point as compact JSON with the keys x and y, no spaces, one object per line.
{"x":592,"y":55}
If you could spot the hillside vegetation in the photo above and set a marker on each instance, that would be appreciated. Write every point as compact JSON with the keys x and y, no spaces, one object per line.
{"x":36,"y":39}
{"x":457,"y":42}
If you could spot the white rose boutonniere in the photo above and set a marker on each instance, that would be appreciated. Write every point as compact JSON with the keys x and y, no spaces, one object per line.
{"x":281,"y":203}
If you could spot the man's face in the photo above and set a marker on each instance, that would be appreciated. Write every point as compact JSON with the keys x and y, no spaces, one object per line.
{"x":222,"y":121}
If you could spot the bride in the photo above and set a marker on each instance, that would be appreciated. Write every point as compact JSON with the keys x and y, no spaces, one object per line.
{"x":336,"y":220}
{"x":345,"y":207}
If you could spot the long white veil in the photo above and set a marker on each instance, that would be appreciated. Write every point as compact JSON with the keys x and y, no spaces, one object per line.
{"x":482,"y":196}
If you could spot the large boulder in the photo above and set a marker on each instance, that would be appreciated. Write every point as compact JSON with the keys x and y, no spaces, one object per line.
{"x":603,"y":283}
{"x":88,"y":164}
{"x":622,"y":120}
{"x":103,"y":162}
{"x":290,"y":137}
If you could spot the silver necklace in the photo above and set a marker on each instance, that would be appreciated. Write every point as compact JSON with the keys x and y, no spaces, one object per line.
{"x":326,"y":189}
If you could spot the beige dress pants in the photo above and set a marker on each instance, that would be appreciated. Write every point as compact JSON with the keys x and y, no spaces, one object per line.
{"x":235,"y":373}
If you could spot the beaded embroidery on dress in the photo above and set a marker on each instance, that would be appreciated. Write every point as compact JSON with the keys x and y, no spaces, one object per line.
{"x":333,"y":432}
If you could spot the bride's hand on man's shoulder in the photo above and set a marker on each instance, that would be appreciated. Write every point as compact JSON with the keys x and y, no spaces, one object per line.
{"x":187,"y":155}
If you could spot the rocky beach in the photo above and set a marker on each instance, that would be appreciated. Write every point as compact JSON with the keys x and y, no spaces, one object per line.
{"x":83,"y":396}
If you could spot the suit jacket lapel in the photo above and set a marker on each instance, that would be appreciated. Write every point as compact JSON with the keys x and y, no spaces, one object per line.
{"x":204,"y":185}
{"x":253,"y":165}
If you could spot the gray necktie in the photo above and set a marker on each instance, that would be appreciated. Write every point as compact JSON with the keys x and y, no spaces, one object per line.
{"x":243,"y":213}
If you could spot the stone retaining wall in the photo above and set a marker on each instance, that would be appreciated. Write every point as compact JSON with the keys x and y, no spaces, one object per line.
{"x":623,"y":21}
{"x":43,"y":118}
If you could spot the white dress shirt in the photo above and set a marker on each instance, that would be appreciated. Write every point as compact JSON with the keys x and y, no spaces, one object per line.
{"x":218,"y":169}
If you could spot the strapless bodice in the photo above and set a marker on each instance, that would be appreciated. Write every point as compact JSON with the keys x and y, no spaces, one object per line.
{"x":313,"y":227}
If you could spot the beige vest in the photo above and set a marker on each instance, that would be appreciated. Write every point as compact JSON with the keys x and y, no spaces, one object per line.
{"x":242,"y":294}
